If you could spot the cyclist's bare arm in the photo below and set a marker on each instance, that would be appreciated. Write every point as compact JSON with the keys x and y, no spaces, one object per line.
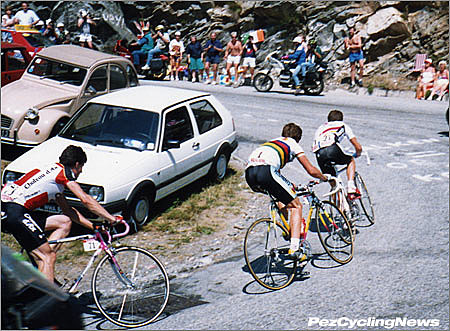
{"x":74,"y":214}
{"x":90,"y":202}
{"x":357,"y":146}
{"x":310,"y":169}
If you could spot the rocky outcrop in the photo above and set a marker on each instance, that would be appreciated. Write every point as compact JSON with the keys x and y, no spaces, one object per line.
{"x":393,"y":32}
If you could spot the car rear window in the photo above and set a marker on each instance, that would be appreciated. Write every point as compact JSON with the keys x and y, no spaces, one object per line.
{"x":61,"y":72}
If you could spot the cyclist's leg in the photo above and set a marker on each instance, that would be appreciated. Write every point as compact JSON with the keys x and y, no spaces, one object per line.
{"x":60,"y":226}
{"x":45,"y":258}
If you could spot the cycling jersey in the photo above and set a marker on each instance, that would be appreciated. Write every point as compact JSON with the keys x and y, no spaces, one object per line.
{"x":276,"y":153}
{"x":331,"y":133}
{"x":37,"y":187}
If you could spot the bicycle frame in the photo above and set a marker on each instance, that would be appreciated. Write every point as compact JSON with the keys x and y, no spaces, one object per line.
{"x":104,"y":246}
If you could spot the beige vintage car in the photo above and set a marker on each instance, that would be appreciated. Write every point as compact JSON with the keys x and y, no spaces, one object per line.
{"x":58,"y":81}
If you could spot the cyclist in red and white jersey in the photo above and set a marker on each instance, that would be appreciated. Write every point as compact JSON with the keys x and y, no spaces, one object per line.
{"x":35,"y":189}
{"x":263,"y":175}
{"x":328,"y":147}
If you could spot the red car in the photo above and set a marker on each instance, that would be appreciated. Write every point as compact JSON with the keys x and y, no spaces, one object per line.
{"x":31,"y":39}
{"x":15,"y":60}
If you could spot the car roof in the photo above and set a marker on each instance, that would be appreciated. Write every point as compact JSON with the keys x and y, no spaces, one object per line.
{"x":12,"y":45}
{"x":152,"y":98}
{"x":81,"y":56}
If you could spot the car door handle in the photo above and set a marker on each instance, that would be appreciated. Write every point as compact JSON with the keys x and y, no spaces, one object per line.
{"x":195,"y":145}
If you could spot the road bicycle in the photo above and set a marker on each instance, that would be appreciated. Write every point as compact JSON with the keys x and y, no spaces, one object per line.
{"x":130,"y":286}
{"x":267,"y":240}
{"x":358,"y":211}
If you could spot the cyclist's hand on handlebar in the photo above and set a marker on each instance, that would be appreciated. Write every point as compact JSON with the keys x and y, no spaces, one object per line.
{"x":118,"y":220}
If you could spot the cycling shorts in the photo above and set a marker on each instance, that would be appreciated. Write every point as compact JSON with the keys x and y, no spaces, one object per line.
{"x":267,"y":179}
{"x":330,"y":155}
{"x":27,"y":227}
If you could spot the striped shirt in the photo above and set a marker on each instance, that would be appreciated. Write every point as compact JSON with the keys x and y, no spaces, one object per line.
{"x":330,"y":133}
{"x":276,"y":153}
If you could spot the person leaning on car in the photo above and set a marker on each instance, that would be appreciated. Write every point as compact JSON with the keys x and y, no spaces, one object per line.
{"x":33,"y":190}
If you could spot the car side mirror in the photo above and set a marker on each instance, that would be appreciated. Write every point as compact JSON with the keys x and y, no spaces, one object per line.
{"x":171,"y":144}
{"x":91,"y":90}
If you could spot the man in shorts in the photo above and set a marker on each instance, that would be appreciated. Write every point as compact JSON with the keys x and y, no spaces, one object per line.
{"x":354,"y":44}
{"x":249,"y":53}
{"x":35,"y":189}
{"x":263,"y":175}
{"x":194,"y":53}
{"x":328,"y":147}
{"x":84,"y":24}
{"x":233,"y":57}
{"x":213,"y":48}
{"x":176,"y":50}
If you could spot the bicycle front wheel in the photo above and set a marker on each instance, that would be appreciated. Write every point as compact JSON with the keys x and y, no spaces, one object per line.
{"x":335,"y":232}
{"x":131,"y":289}
{"x":365,"y":202}
{"x":266,"y":249}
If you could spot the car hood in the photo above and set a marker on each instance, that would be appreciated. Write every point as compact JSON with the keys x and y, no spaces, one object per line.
{"x":103,"y":162}
{"x":21,"y":95}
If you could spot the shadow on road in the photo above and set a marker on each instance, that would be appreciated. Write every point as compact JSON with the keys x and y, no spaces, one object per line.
{"x":443,"y":133}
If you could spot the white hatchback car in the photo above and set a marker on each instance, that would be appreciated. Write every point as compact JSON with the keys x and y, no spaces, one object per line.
{"x":141,"y":144}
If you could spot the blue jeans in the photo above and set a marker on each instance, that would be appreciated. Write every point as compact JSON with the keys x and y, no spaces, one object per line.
{"x":137,"y":56}
{"x":295,"y":75}
{"x":152,"y":53}
{"x":305,"y":66}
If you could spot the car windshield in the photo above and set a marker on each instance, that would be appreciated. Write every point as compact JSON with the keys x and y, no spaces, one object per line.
{"x":117,"y":126}
{"x":61,"y":72}
{"x":37,"y":40}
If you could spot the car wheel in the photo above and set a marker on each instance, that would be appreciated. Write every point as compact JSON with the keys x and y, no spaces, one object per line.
{"x":139,"y":209}
{"x":219,"y":166}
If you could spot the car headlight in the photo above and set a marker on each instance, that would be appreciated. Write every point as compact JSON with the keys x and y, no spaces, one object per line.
{"x":11,"y":176}
{"x":32,"y":114}
{"x":96,"y":192}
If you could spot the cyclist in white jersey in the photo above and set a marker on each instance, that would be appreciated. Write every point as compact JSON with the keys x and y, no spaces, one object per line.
{"x":35,"y":189}
{"x":263,"y":175}
{"x":328,"y":147}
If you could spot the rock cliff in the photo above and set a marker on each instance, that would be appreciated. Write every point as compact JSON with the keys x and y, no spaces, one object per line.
{"x":393,"y":32}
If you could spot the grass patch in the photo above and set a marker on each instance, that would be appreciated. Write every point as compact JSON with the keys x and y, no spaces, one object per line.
{"x":389,"y":82}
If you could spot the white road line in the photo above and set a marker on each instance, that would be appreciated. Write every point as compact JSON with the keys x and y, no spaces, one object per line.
{"x":272,"y":120}
{"x":425,"y":154}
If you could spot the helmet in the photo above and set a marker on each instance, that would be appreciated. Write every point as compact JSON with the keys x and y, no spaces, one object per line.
{"x":60,"y":25}
{"x":159,"y":27}
{"x":40,"y":23}
{"x":298,"y":40}
{"x":178,"y":33}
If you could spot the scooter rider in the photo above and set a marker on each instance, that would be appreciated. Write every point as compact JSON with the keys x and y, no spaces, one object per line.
{"x":313,"y":57}
{"x":162,"y":42}
{"x":300,"y":56}
{"x":146,"y":43}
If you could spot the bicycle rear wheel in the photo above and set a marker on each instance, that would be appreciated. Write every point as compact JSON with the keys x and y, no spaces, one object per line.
{"x":265,"y":251}
{"x":365,"y":202}
{"x":131,"y":289}
{"x":335,"y":232}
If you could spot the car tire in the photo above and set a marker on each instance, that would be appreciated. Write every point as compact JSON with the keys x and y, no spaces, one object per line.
{"x":140,"y":207}
{"x":219,"y":166}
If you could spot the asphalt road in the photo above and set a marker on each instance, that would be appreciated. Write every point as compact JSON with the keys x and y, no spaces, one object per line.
{"x":401,"y":264}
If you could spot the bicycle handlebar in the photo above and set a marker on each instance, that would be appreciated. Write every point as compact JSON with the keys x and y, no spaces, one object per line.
{"x":109,"y":227}
{"x":365,"y":154}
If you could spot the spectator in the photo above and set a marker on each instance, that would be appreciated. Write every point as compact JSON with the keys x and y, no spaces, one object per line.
{"x":249,"y":52}
{"x":26,"y":16}
{"x":146,"y":43}
{"x":354,"y":44}
{"x":8,"y":20}
{"x":49,"y":31}
{"x":84,"y":23}
{"x":176,"y":50}
{"x":62,"y":35}
{"x":425,"y":80}
{"x":233,"y":57}
{"x":162,"y":41}
{"x":40,"y":26}
{"x":213,"y":48}
{"x":313,"y":56}
{"x":440,"y":81}
{"x":194,"y":53}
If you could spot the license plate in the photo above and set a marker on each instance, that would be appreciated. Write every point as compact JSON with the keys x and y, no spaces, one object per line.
{"x":5,"y":133}
{"x":90,"y":245}
{"x":50,"y":208}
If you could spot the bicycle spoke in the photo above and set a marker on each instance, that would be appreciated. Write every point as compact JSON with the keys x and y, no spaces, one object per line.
{"x":367,"y":217}
{"x":335,"y":232}
{"x":142,"y":294}
{"x":265,"y":252}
